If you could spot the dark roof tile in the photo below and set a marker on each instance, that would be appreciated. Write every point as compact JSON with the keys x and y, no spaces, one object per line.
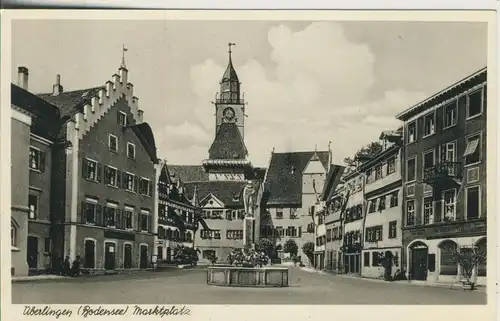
{"x":228,"y":143}
{"x":228,"y":192}
{"x":187,"y":173}
{"x":284,"y":176}
{"x":71,"y":101}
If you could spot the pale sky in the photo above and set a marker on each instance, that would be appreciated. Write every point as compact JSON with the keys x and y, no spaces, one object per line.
{"x":306,"y":83}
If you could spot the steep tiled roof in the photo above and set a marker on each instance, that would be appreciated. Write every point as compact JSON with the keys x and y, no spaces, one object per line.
{"x":187,"y":173}
{"x":332,"y":181}
{"x":228,"y":143}
{"x":46,"y":119}
{"x":145,"y":134}
{"x":71,"y":101}
{"x":284,"y":176}
{"x":229,"y":192}
{"x":230,"y":73}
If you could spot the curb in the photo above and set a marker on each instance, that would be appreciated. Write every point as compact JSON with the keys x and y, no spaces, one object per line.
{"x":403,"y":282}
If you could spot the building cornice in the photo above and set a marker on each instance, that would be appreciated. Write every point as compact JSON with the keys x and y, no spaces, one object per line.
{"x":41,"y":139}
{"x":21,"y":114}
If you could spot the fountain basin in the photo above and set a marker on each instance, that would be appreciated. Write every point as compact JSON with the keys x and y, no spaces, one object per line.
{"x":236,"y":276}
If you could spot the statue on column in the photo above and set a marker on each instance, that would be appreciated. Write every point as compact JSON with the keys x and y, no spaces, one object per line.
{"x":250,"y":197}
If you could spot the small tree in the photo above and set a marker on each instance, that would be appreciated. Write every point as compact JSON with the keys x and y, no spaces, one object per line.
{"x":291,"y":247}
{"x":308,"y":249}
{"x":185,"y":255}
{"x":266,"y":246}
{"x":212,"y":258}
{"x":468,"y":259}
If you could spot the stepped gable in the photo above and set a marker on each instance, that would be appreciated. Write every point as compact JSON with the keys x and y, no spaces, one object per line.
{"x":284,"y":176}
{"x":228,"y":192}
{"x":45,"y":117}
{"x":228,"y":143}
{"x":187,"y":173}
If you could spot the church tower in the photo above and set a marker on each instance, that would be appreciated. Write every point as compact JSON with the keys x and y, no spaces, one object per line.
{"x":229,"y":104}
{"x":227,"y":156}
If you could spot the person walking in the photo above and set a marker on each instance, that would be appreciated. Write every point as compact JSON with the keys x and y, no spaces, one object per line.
{"x":66,"y":267}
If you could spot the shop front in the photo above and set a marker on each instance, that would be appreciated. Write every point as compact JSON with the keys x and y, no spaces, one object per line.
{"x":429,"y":250}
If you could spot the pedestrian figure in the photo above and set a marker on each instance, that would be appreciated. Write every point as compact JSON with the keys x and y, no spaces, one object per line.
{"x":66,"y":266}
{"x":58,"y":266}
{"x":75,"y":268}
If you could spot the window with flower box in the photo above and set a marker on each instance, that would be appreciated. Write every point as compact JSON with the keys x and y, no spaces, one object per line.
{"x":112,"y":176}
{"x":110,"y":212}
{"x":90,"y":212}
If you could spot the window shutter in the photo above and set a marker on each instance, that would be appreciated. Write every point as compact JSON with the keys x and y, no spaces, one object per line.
{"x":83,"y":213}
{"x":135,"y":183}
{"x":118,"y":218}
{"x":42,"y":161}
{"x":150,"y":188}
{"x":106,"y":174}
{"x":99,"y":172}
{"x":119,"y":179}
{"x":98,"y":215}
{"x":84,"y":168}
{"x":300,"y":231}
{"x":150,"y":225}
{"x":138,"y":228}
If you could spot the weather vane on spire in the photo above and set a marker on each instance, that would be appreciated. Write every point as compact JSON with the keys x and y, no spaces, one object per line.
{"x":123,"y":57}
{"x":230,"y":45}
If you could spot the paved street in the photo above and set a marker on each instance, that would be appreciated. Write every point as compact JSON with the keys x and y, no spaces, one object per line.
{"x":189,"y":287}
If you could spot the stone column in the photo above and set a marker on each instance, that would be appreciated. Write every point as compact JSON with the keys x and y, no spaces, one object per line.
{"x":248,"y":231}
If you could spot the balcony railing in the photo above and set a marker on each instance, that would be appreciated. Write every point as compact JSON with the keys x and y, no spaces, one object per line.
{"x":443,"y":171}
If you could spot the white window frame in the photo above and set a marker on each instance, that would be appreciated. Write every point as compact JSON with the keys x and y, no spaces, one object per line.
{"x":434,"y":124}
{"x":467,"y":200}
{"x":109,"y":142}
{"x":456,"y":115}
{"x":408,"y":131}
{"x":415,"y":172}
{"x":133,"y":145}
{"x":406,"y":213}
{"x":431,"y":217}
{"x":467,"y":104}
{"x":115,"y":207}
{"x":443,"y":203}
{"x":14,"y":235}
{"x":131,"y":210}
{"x":479,"y":146}
{"x":91,"y":201}
{"x":445,"y":146}
{"x":379,"y":170}
{"x":95,"y":174}
{"x":433,"y":151}
{"x":116,"y":176}
{"x":148,"y":192}
{"x":37,"y":160}
{"x":124,"y":118}
{"x":133,"y":182}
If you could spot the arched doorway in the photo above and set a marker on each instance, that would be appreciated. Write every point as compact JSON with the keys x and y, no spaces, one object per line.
{"x":127,"y":256}
{"x":109,"y":255}
{"x":143,"y":258}
{"x":169,"y":254}
{"x":89,"y":256}
{"x":418,"y":261}
{"x":447,"y":264}
{"x":481,"y":247}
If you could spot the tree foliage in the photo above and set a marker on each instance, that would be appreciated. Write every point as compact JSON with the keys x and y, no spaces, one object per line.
{"x":308,"y":249}
{"x":247,"y":257}
{"x":185,"y":255}
{"x":365,"y":152}
{"x":265,"y":245}
{"x":291,"y":247}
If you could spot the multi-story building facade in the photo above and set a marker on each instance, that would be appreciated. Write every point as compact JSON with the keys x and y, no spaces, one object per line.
{"x":333,"y":196}
{"x":33,"y":128}
{"x":382,"y":222}
{"x":91,"y":172}
{"x":444,"y":174}
{"x":325,"y":221}
{"x":176,"y":216}
{"x":353,"y":221}
{"x":292,"y":186}
{"x":220,"y":180}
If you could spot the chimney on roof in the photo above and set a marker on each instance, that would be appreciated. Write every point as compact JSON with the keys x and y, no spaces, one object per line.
{"x":22,"y":77}
{"x":57,"y":88}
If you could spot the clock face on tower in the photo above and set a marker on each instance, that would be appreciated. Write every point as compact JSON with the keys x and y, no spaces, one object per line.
{"x":228,"y":114}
